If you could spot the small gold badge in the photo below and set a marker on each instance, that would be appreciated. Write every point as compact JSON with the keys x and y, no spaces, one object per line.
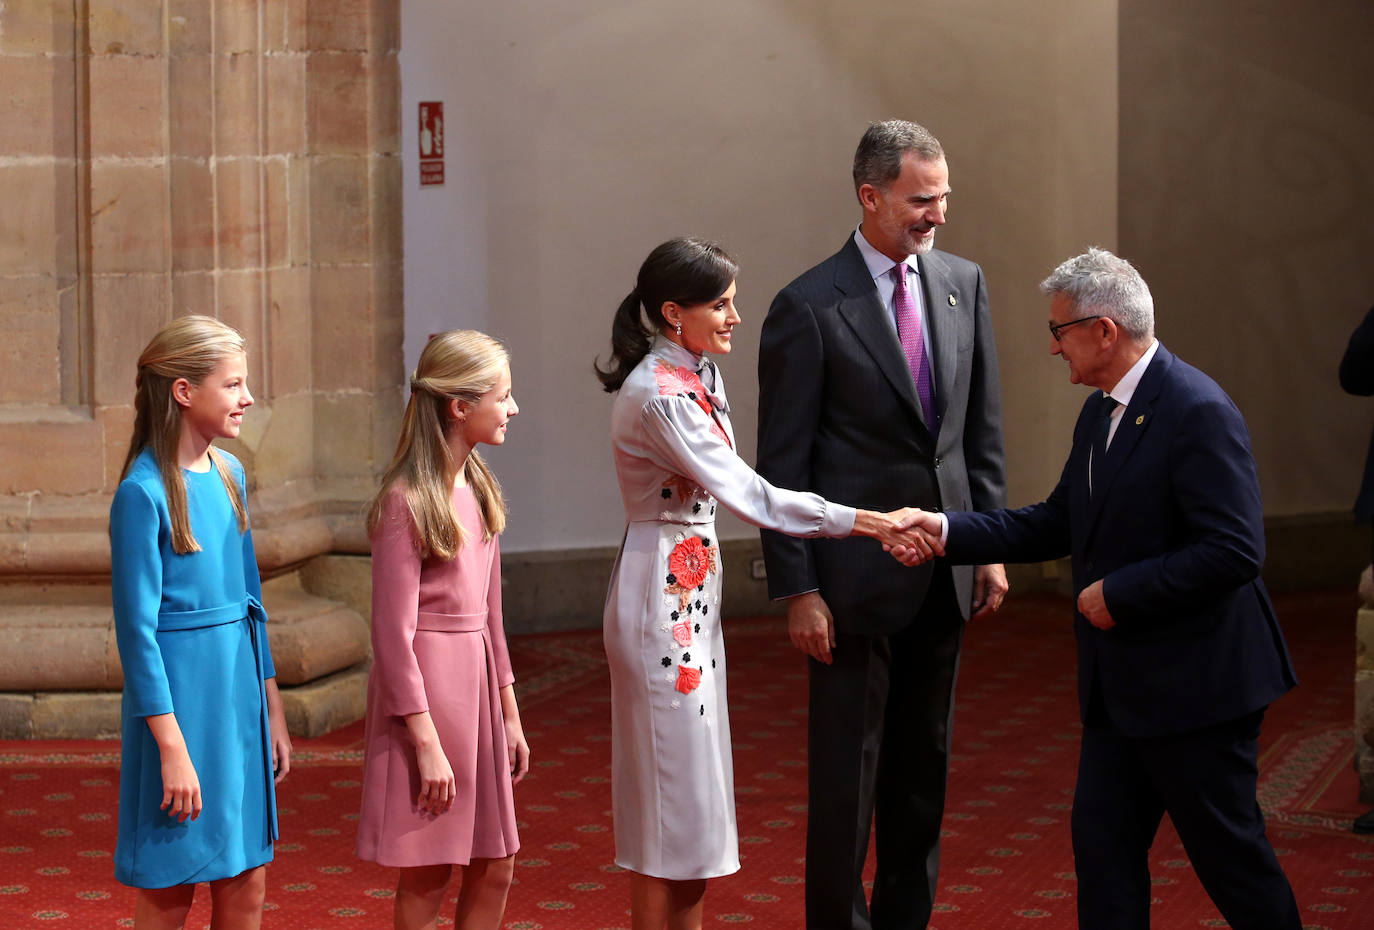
{"x":1140,"y":419}
{"x":953,"y":301}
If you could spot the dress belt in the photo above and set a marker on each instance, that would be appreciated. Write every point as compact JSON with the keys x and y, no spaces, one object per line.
{"x":683,"y":519}
{"x":451,"y":623}
{"x":173,"y":620}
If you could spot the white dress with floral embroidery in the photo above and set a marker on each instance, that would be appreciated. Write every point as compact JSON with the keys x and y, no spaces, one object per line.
{"x":672,"y":774}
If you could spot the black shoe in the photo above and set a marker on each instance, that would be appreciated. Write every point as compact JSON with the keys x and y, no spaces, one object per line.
{"x":1364,"y":823}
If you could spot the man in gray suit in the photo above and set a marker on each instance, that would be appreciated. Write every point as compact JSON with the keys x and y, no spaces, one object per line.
{"x":878,"y":387}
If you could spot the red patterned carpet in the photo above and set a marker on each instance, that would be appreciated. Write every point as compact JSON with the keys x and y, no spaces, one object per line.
{"x":1006,"y":864}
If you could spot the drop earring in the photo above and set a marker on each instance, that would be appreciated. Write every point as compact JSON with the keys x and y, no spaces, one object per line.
{"x":679,"y":327}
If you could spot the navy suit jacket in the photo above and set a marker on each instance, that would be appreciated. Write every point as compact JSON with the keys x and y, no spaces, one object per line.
{"x":1357,"y":377}
{"x":1175,"y":532}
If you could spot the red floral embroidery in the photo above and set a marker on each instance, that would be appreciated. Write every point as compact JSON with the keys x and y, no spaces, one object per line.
{"x":716,"y":428}
{"x":678,"y":380}
{"x":687,"y":679}
{"x":689,"y":563}
{"x":682,"y":633}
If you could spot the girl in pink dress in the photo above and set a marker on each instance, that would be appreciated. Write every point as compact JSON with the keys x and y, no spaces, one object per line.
{"x":444,"y":742}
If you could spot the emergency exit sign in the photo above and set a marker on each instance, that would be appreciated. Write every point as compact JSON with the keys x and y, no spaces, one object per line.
{"x":431,"y":142}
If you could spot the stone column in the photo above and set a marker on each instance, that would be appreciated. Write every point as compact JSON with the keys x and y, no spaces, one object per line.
{"x":231,"y":157}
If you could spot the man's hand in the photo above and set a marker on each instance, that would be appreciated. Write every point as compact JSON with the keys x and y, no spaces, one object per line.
{"x":989,"y":589}
{"x":927,"y":526}
{"x":810,"y":626}
{"x":1093,"y":606}
{"x":898,"y":529}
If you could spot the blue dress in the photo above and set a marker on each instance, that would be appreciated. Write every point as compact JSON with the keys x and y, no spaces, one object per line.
{"x":193,"y":641}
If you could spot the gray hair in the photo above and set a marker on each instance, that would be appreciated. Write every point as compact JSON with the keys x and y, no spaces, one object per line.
{"x":1099,"y":282}
{"x":878,"y":159}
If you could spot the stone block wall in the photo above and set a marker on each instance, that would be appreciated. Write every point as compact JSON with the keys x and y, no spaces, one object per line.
{"x":237,"y":158}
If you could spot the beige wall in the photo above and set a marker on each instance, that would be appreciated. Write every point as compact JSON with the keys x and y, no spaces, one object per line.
{"x":1247,"y":185}
{"x":604,"y":128}
{"x":1226,"y":153}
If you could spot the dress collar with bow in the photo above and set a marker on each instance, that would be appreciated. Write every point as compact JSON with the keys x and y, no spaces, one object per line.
{"x":700,"y":365}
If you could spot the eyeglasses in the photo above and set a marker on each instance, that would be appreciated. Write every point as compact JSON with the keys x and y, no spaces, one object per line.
{"x":1056,"y":328}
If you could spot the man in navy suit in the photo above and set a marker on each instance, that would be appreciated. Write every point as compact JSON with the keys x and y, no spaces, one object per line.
{"x":1357,"y":377}
{"x":1179,"y":651}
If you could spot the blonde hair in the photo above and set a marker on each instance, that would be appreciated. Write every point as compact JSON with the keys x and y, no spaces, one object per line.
{"x":462,"y":365}
{"x":189,"y":347}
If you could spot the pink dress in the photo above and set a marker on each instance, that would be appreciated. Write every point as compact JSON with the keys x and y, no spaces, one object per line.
{"x":438,"y":645}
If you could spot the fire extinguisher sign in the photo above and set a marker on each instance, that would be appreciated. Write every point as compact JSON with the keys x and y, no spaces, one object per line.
{"x":431,"y":142}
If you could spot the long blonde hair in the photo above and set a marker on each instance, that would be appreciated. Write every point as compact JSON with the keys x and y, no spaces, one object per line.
{"x":462,"y":365}
{"x":189,"y":347}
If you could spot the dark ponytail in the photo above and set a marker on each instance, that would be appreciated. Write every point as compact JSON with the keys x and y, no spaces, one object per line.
{"x":630,"y":341}
{"x":683,"y":271}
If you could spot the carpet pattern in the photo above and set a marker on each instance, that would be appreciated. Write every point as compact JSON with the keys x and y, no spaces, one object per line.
{"x":1006,"y":861}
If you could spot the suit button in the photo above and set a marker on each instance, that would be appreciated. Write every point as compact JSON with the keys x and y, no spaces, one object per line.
{"x":938,"y":462}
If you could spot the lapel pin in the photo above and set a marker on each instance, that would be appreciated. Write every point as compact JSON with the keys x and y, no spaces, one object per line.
{"x":1140,"y":419}
{"x":953,"y":301}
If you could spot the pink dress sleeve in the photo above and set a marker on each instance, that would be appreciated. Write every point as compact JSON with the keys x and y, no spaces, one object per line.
{"x":395,"y":604}
{"x":495,"y":627}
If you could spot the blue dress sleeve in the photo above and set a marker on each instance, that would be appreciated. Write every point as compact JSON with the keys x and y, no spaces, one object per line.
{"x":136,"y":587}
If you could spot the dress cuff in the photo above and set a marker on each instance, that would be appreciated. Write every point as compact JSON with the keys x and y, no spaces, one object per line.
{"x":838,"y":520}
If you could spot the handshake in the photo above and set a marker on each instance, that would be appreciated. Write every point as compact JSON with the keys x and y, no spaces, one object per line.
{"x":910,"y":535}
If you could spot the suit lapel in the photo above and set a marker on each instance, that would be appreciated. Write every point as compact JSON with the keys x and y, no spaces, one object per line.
{"x":943,"y":319}
{"x":1135,"y":420}
{"x":866,"y":315}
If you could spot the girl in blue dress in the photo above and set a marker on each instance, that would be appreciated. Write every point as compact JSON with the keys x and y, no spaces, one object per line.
{"x":204,"y":734}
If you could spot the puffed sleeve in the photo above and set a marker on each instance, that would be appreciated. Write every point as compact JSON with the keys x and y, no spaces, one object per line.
{"x":395,"y":605}
{"x":496,"y":628}
{"x":136,"y":587}
{"x":680,"y":434}
{"x":252,"y":582}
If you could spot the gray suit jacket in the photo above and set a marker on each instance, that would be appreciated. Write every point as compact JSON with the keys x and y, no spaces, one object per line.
{"x":838,"y":415}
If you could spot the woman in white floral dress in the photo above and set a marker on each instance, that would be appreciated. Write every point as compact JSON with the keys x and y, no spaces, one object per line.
{"x":672,"y":775}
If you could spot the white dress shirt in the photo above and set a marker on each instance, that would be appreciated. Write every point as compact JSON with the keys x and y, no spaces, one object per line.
{"x":880,"y":267}
{"x":1121,"y":392}
{"x":1124,"y":390}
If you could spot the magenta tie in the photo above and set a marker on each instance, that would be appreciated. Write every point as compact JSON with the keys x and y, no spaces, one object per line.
{"x":909,"y":333}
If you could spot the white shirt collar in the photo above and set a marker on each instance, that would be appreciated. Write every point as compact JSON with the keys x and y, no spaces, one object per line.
{"x":878,"y":263}
{"x":1124,"y":389}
